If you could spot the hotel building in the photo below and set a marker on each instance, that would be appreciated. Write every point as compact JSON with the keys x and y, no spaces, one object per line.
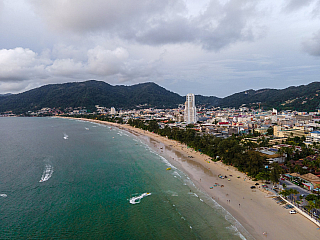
{"x":190,"y":111}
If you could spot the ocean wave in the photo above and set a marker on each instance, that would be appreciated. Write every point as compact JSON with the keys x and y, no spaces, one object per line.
{"x":176,"y":174}
{"x":137,"y":199}
{"x":172,"y":193}
{"x":47,"y":172}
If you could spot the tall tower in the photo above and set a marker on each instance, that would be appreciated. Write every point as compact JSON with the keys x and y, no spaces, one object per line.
{"x":190,"y":111}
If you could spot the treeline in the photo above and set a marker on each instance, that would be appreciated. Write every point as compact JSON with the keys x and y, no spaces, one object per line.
{"x":231,"y":151}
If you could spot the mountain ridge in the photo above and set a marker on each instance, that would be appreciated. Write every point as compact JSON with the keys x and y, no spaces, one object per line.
{"x":92,"y":92}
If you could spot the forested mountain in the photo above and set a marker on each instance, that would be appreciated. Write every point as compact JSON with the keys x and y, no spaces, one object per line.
{"x":90,"y":93}
{"x":300,"y":98}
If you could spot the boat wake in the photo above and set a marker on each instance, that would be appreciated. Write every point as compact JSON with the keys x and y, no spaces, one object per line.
{"x":3,"y":195}
{"x":65,"y":136}
{"x":47,"y":173}
{"x":137,"y":199}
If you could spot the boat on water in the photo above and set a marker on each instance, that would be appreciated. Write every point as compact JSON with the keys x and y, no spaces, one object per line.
{"x":169,"y":168}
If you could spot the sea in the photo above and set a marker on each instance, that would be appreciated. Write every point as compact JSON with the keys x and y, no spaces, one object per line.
{"x":69,"y":179}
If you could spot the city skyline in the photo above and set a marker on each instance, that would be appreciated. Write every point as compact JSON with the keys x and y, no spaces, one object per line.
{"x":212,"y":48}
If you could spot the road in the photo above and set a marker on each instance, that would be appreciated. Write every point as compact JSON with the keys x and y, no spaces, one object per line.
{"x":301,"y":191}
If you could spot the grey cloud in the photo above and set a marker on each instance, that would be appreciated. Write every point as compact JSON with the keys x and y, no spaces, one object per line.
{"x":87,"y":16}
{"x":312,"y":46}
{"x":156,"y":22}
{"x":294,"y":5}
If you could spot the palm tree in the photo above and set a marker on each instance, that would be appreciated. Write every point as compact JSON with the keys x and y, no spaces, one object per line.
{"x":275,"y":172}
{"x":285,"y":193}
{"x":311,"y":205}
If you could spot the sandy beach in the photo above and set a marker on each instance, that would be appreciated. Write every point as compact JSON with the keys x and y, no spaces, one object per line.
{"x":256,"y":211}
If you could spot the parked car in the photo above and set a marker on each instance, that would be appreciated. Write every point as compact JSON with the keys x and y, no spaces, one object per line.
{"x":252,"y":187}
{"x":293,"y":212}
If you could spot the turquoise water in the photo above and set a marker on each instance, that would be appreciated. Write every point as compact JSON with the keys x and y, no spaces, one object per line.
{"x":67,"y":179}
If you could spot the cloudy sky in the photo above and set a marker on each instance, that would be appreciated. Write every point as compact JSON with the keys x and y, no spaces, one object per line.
{"x":208,"y":47}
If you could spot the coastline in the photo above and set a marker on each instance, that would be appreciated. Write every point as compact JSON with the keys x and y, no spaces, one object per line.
{"x":253,"y":209}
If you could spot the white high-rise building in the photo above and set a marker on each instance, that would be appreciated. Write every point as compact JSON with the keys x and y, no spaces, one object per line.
{"x":190,"y":111}
{"x":113,"y":111}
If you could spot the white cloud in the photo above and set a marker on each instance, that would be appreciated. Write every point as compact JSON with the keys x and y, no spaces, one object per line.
{"x":66,"y":67}
{"x":21,"y":64}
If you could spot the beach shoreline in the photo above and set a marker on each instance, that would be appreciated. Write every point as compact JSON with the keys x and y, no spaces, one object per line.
{"x":260,"y":216}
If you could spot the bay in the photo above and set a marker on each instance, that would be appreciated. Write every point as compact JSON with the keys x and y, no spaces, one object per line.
{"x":67,"y":179}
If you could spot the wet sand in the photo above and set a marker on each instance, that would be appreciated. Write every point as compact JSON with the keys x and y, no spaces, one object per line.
{"x":257,"y":212}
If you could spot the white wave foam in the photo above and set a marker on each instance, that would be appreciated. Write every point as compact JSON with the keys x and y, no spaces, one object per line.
{"x":65,"y":136}
{"x":176,"y":174}
{"x":172,"y":193}
{"x":47,"y":173}
{"x":3,"y":195}
{"x":137,"y":199}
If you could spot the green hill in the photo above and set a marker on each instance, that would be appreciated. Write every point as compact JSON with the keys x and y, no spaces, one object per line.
{"x":90,"y":93}
{"x":300,"y":98}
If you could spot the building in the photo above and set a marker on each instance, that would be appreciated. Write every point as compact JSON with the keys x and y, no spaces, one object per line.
{"x":190,"y":111}
{"x":278,"y":131}
{"x":113,"y":111}
{"x":314,"y":137}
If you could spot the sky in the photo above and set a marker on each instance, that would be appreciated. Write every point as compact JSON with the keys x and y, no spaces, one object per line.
{"x":207,"y":47}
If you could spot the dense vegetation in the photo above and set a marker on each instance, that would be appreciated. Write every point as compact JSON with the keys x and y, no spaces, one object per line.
{"x":301,"y":98}
{"x":88,"y":94}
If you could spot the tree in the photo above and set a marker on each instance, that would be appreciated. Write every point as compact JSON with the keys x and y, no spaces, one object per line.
{"x":270,"y":131}
{"x":281,"y":152}
{"x":263,"y":175}
{"x":285,"y":193}
{"x":275,"y":172}
{"x":311,"y":205}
